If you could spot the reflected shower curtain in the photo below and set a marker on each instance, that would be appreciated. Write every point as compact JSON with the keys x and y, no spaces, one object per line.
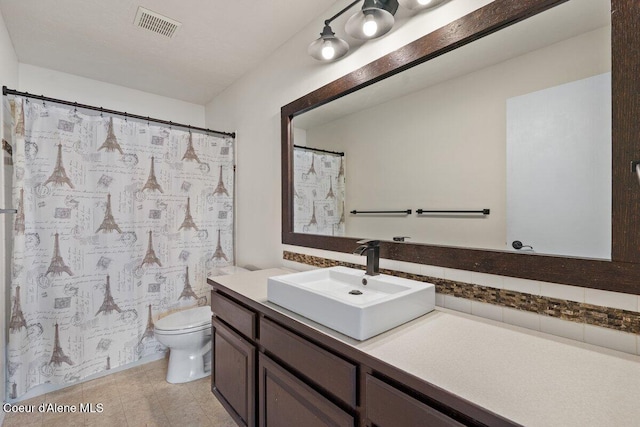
{"x":319,"y":192}
{"x":119,"y":223}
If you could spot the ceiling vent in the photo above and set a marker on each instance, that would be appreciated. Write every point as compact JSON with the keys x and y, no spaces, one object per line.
{"x":155,"y":22}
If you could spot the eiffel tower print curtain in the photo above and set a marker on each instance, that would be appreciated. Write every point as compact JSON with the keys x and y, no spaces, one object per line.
{"x":319,"y":191}
{"x":119,"y":223}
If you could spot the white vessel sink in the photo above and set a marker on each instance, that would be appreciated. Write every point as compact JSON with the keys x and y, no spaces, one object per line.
{"x":323,"y":296}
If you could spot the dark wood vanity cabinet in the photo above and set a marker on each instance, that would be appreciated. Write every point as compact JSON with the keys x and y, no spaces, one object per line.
{"x":285,"y":400}
{"x":272,"y":371}
{"x":233,"y":373}
{"x":233,"y":368}
{"x":317,"y":366}
{"x":386,"y":406}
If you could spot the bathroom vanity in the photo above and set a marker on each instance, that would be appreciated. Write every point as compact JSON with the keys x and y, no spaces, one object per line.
{"x":272,"y":367}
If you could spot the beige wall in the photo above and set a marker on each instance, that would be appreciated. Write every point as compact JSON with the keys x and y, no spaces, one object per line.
{"x":251,"y":106}
{"x":444,"y":147}
{"x":69,"y":87}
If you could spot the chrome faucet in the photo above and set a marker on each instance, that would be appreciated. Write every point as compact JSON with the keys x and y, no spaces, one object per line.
{"x":372,"y":249}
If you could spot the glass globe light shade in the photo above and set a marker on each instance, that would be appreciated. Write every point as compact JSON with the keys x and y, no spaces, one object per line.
{"x":328,"y":47}
{"x":369,"y":23}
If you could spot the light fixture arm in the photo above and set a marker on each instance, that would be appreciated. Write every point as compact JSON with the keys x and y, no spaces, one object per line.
{"x":328,"y":21}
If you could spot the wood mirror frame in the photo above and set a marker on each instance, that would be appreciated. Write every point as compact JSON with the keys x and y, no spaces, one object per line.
{"x":622,"y":273}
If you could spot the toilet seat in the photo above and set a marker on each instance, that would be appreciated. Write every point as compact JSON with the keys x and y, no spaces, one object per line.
{"x":184,"y":322}
{"x":182,"y":331}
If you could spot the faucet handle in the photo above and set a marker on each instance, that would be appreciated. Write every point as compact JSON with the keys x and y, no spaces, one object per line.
{"x":370,"y":243}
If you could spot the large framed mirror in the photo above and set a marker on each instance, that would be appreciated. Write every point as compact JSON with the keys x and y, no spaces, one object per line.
{"x":513,"y":123}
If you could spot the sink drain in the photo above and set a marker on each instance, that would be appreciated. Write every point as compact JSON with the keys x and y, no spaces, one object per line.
{"x":355,"y":292}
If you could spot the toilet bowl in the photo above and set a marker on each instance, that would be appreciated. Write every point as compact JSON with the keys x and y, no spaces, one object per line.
{"x":187,"y":333}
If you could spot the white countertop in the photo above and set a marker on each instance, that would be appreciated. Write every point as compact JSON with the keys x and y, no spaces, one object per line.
{"x":529,"y":377}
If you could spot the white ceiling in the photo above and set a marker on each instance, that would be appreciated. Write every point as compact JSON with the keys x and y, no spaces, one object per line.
{"x":218,"y":41}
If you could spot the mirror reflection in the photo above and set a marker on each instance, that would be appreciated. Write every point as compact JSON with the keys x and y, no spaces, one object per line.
{"x":506,"y":140}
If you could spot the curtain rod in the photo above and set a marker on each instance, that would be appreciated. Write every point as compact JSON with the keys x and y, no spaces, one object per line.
{"x":319,"y":150}
{"x":7,"y":91}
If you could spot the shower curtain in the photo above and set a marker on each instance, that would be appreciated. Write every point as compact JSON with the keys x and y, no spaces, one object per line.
{"x":119,"y":223}
{"x":319,"y":192}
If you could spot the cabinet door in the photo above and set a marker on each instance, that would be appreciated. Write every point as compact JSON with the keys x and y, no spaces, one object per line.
{"x":233,"y":373}
{"x":286,"y":401}
{"x":387,"y":406}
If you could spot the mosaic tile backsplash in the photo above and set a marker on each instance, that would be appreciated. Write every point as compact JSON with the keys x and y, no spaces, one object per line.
{"x":606,"y":317}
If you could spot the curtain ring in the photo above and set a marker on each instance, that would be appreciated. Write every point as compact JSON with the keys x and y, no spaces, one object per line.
{"x":75,"y":107}
{"x":101,"y":112}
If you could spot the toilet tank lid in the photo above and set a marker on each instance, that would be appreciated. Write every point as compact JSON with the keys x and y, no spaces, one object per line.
{"x":185,"y":319}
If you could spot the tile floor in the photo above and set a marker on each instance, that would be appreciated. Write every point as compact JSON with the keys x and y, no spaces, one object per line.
{"x":139,"y":396}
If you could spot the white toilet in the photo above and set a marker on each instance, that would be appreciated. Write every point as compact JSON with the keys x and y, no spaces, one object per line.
{"x":187,"y":333}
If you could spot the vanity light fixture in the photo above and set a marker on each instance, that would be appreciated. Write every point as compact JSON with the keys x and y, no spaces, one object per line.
{"x":375,"y":19}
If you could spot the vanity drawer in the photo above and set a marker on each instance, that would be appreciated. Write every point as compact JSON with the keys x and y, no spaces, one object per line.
{"x":240,"y":318}
{"x":386,"y":406}
{"x":330,"y":372}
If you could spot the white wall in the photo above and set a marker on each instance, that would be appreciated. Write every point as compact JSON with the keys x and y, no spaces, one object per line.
{"x":252,"y":105}
{"x":9,"y":78}
{"x":451,"y":166}
{"x":55,"y":84}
